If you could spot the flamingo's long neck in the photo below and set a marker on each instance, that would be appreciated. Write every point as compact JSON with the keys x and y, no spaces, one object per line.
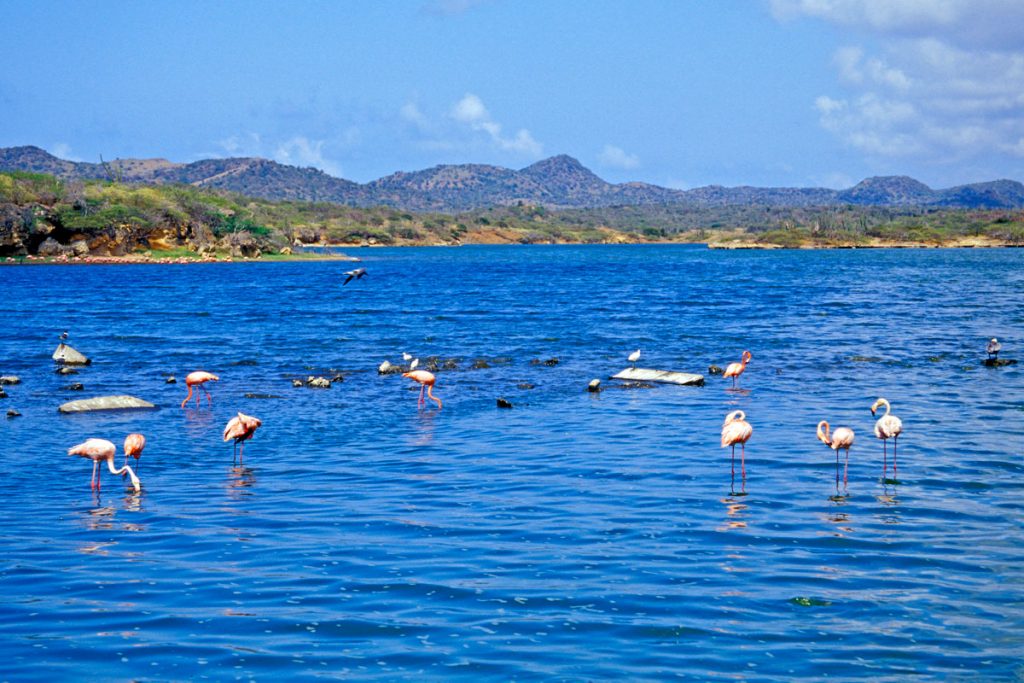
{"x":886,"y":404}
{"x":430,"y":394}
{"x":823,"y":433}
{"x":126,"y":468}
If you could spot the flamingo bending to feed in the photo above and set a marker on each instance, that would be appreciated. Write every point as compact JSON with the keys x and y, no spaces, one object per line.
{"x":736,"y":430}
{"x":888,"y":426}
{"x":101,"y":449}
{"x":133,"y":445}
{"x":842,"y":438}
{"x":198,"y":378}
{"x":241,"y":428}
{"x":734,"y":370}
{"x":426,"y":380}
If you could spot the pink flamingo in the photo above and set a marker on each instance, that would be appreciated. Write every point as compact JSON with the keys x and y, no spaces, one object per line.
{"x":197,"y":378}
{"x":101,"y":449}
{"x":888,"y":426}
{"x":426,"y":380}
{"x":736,"y":430}
{"x":842,"y":438}
{"x":133,"y":445}
{"x":734,"y":370}
{"x":241,"y":428}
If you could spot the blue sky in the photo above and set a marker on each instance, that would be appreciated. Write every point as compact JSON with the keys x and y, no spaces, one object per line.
{"x":678,"y":93}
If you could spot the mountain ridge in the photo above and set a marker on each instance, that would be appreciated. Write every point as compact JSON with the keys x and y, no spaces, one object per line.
{"x":558,"y":182}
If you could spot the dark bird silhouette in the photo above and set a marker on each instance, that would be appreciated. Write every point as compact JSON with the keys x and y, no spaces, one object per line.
{"x":64,"y":336}
{"x":357,"y":274}
{"x":993,"y":348}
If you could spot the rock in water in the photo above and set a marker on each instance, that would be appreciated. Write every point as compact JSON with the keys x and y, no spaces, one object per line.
{"x":714,"y":370}
{"x":13,"y":413}
{"x":318,"y":382}
{"x":121,"y":402}
{"x":594,"y":386}
{"x":10,"y":379}
{"x":68,"y":356}
{"x":171,"y":379}
{"x":998,"y":362}
{"x":502,"y":403}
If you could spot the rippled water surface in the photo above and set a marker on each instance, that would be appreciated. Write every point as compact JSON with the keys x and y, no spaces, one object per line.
{"x":576,"y":536}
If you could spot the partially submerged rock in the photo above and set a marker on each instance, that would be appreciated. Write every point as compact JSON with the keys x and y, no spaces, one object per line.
{"x":550,"y":362}
{"x":119,"y":402}
{"x":318,"y":382}
{"x":69,"y":356}
{"x":594,"y":386}
{"x":504,"y":403}
{"x":3,"y":394}
{"x":251,"y":395}
{"x":998,"y":362}
{"x":64,"y":370}
{"x":13,"y":413}
{"x":715,"y":370}
{"x":171,"y":380}
{"x":74,"y":386}
{"x":386,"y":368}
{"x":10,"y":379}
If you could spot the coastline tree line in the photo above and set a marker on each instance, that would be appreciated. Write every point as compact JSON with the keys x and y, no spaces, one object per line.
{"x":43,"y":215}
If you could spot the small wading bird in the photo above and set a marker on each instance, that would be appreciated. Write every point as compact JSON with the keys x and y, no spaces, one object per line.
{"x":993,"y":348}
{"x":406,"y":356}
{"x":101,"y":449}
{"x":887,"y":427}
{"x":634,"y":357}
{"x":357,"y":274}
{"x":426,"y":380}
{"x":842,"y":438}
{"x":198,"y":378}
{"x":736,"y":430}
{"x":734,"y":370}
{"x":414,"y":363}
{"x":133,"y":445}
{"x":241,"y":428}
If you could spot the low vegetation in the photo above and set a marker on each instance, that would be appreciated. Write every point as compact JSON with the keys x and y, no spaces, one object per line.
{"x":111,"y":217}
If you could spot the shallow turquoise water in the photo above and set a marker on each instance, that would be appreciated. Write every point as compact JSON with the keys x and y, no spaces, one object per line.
{"x":574,"y":537}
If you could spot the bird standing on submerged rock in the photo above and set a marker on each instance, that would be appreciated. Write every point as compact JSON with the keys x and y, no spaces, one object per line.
{"x":414,"y":363}
{"x":634,"y":357}
{"x":734,"y":370}
{"x":426,"y":380}
{"x":887,"y":427}
{"x":133,"y":445}
{"x":736,"y":430}
{"x":993,"y":348}
{"x":101,"y":449}
{"x":199,"y":378}
{"x":841,"y":438}
{"x":241,"y":428}
{"x":357,"y":274}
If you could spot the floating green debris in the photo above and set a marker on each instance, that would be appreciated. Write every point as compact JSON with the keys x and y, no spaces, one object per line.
{"x":810,"y":602}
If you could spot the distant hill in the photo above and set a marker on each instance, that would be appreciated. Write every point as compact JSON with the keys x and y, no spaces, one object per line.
{"x":558,"y":182}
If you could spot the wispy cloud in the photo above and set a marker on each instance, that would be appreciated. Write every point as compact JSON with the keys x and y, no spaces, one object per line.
{"x":301,"y":151}
{"x":947,"y":85}
{"x":471,"y":112}
{"x":62,"y":150}
{"x":447,"y":8}
{"x":298,"y":150}
{"x":616,"y":157}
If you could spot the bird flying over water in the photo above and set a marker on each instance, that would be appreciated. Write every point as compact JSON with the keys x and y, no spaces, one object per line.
{"x":993,"y":348}
{"x":198,"y":378}
{"x":887,"y":427}
{"x":842,"y":438}
{"x":98,"y":450}
{"x":358,"y":273}
{"x":734,"y":370}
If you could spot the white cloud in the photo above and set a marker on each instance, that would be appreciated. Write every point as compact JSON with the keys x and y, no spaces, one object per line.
{"x":62,"y":150}
{"x":945,"y":87}
{"x":471,"y":112}
{"x":301,"y":151}
{"x":616,"y":157}
{"x":411,"y":113}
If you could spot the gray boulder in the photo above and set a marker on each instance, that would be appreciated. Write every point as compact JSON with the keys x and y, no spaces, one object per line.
{"x":10,"y":379}
{"x":120,"y":402}
{"x":69,"y":356}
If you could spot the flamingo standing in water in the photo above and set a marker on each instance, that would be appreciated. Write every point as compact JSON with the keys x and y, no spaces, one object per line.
{"x":734,"y":370}
{"x":101,"y":449}
{"x":426,"y":380}
{"x":842,"y":438}
{"x":736,"y":430}
{"x":888,"y":426}
{"x":198,"y":378}
{"x":241,"y":428}
{"x":133,"y":445}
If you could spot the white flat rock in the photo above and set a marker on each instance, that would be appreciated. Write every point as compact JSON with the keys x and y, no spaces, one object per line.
{"x":663,"y":376}
{"x":122,"y":402}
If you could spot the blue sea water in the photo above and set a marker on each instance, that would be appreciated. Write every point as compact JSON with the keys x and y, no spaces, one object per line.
{"x":576,"y":536}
